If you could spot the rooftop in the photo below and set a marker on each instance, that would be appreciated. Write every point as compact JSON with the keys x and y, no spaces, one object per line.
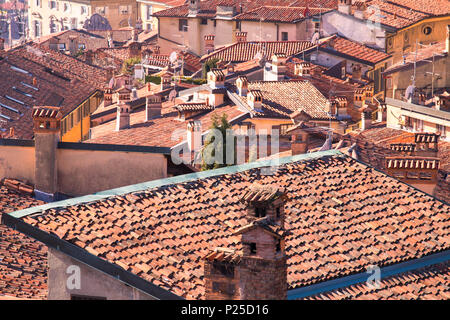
{"x":342,"y":216}
{"x":280,"y":14}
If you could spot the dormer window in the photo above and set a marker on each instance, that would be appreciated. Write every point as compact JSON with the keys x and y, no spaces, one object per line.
{"x":260,"y":212}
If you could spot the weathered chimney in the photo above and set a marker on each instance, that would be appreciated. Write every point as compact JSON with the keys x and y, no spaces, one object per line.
{"x":153,"y":106}
{"x":134,"y":49}
{"x":46,"y":125}
{"x":302,"y":69}
{"x":242,"y":85}
{"x":259,"y":272}
{"x":241,"y":36}
{"x":216,"y":79}
{"x":299,"y":139}
{"x":356,"y":72}
{"x":166,"y":81}
{"x":359,"y":98}
{"x":209,"y":43}
{"x":194,"y":7}
{"x":279,"y":65}
{"x":254,"y":99}
{"x":89,"y":57}
{"x":194,"y":135}
{"x":345,"y":6}
{"x":123,"y":116}
{"x":366,"y":120}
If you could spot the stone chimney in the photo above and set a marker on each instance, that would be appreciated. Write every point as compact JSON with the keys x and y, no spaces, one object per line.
{"x":259,"y":271}
{"x":194,"y":7}
{"x":216,"y":79}
{"x":241,"y":36}
{"x":166,"y":81}
{"x":46,"y":125}
{"x":356,"y":72}
{"x":254,"y":99}
{"x":366,"y":120}
{"x":153,"y":106}
{"x":302,"y":69}
{"x":194,"y":135}
{"x":123,"y":116}
{"x":299,"y":139}
{"x":242,"y":85}
{"x":89,"y":57}
{"x":134,"y":49}
{"x":209,"y":43}
{"x":345,"y":6}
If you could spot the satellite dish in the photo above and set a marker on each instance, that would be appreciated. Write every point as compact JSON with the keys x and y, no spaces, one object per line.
{"x":173,"y":57}
{"x":315,"y":38}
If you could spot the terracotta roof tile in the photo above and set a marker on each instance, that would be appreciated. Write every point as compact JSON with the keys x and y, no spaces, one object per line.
{"x":280,"y":14}
{"x":342,"y":216}
{"x":23,"y":261}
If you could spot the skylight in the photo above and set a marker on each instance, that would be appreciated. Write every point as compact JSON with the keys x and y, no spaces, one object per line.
{"x":14,"y":100}
{"x":20,"y":70}
{"x":29,"y":86}
{"x":5,"y":117}
{"x":9,"y":108}
{"x":22,"y":92}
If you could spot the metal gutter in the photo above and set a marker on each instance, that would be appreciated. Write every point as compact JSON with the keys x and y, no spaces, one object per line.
{"x":385,"y":272}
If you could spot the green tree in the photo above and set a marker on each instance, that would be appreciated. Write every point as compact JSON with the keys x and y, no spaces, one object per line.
{"x":208,"y":65}
{"x":127,"y":66}
{"x":209,"y":160}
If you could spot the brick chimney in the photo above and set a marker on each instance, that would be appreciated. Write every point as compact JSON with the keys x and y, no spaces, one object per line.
{"x":46,"y":127}
{"x":153,"y":106}
{"x":345,"y":6}
{"x":259,"y":272}
{"x":209,"y":43}
{"x":194,"y":135}
{"x":356,"y":72}
{"x":302,"y":69}
{"x":299,"y":139}
{"x":241,"y":36}
{"x":254,"y":99}
{"x":123,"y":116}
{"x":166,"y":81}
{"x":242,"y":85}
{"x":216,"y":79}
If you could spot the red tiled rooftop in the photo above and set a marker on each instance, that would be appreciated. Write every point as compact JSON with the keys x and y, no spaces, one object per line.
{"x":342,"y":216}
{"x":23,"y":261}
{"x":279,"y":14}
{"x":352,"y":49}
{"x":429,"y":283}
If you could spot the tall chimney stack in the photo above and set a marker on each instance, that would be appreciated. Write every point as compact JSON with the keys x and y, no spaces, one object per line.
{"x":209,"y":43}
{"x":153,"y":107}
{"x":123,"y":116}
{"x":46,"y":125}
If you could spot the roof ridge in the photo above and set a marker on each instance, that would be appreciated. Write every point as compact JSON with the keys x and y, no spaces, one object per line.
{"x":175,"y":180}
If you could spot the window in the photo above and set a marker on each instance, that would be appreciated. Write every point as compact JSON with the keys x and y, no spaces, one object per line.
{"x":83,"y":10}
{"x":427,"y":30}
{"x":316,"y":26}
{"x":284,"y":36}
{"x":278,"y":246}
{"x":223,"y":269}
{"x":204,"y":21}
{"x":37,"y":28}
{"x":61,"y":46}
{"x":441,"y":129}
{"x":38,"y":3}
{"x":238,"y":25}
{"x":66,"y":7}
{"x":278,"y":210}
{"x":52,"y":4}
{"x":215,"y":23}
{"x":53,"y":27}
{"x":149,"y":27}
{"x":225,"y":288}
{"x":149,"y":12}
{"x":100,"y":10}
{"x":252,"y":248}
{"x":81,"y":46}
{"x":124,"y":9}
{"x":182,"y":25}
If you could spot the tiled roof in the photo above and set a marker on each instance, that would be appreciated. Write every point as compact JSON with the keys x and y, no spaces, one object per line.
{"x":245,"y":51}
{"x":352,"y":49}
{"x":194,"y":107}
{"x":403,"y":13}
{"x":342,"y":216}
{"x":429,"y":283}
{"x":282,"y":99}
{"x":23,"y":261}
{"x":31,"y":75}
{"x":279,"y":14}
{"x":423,"y":54}
{"x":208,"y":8}
{"x":157,"y":132}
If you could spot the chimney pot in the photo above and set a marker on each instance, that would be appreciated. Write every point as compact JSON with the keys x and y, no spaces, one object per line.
{"x":123,"y":116}
{"x":241,"y":36}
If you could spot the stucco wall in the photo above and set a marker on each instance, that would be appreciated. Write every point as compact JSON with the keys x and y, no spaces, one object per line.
{"x":93,"y":283}
{"x":17,"y":162}
{"x":82,"y":172}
